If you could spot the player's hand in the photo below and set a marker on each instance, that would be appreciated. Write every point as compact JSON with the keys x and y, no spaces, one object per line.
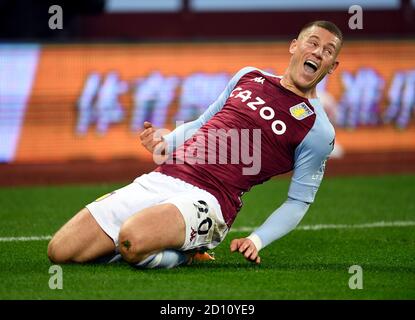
{"x":150,"y":142}
{"x":246,"y":247}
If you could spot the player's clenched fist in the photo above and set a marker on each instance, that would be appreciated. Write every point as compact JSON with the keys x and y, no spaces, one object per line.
{"x":150,"y":141}
{"x":247,"y":248}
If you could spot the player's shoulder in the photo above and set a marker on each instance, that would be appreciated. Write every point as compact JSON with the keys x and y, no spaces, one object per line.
{"x":323,"y":123}
{"x":322,"y":133}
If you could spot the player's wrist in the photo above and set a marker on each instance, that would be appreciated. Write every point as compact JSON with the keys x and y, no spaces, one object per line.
{"x":256,"y":240}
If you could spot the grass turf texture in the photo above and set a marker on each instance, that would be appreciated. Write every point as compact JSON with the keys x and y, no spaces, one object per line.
{"x":302,"y":265}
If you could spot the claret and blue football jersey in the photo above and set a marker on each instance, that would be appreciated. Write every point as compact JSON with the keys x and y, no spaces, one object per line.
{"x":267,"y":130}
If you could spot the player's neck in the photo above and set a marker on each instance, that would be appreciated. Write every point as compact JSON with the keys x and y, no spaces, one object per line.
{"x":288,"y":84}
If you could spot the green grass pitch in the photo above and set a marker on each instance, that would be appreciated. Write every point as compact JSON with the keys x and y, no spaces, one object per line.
{"x":305,"y":264}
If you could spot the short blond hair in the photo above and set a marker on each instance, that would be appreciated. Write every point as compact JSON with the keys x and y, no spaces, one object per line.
{"x":329,"y":26}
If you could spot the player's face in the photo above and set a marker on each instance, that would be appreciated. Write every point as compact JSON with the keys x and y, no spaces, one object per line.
{"x":314,"y":55}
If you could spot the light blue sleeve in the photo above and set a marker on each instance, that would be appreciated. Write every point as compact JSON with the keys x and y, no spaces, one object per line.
{"x":309,"y":166}
{"x":279,"y":223}
{"x":310,"y":159}
{"x":183,"y":132}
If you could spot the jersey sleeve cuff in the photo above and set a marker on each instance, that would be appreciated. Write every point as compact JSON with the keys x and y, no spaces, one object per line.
{"x":256,"y":240}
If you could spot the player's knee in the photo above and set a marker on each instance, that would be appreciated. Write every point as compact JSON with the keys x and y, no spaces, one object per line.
{"x":55,"y":252}
{"x":133,"y":254}
{"x":131,"y":246}
{"x":59,"y":253}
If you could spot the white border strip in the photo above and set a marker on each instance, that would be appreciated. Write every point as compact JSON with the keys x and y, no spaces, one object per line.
{"x":316,"y":227}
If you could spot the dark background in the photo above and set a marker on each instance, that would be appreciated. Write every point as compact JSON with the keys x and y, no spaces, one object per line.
{"x":26,"y":20}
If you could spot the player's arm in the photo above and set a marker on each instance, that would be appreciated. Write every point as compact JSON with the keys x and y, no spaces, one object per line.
{"x":309,"y":167}
{"x":169,"y":142}
{"x":279,"y":223}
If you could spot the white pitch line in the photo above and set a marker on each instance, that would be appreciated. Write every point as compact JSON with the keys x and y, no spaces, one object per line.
{"x":34,"y":238}
{"x":316,"y":227}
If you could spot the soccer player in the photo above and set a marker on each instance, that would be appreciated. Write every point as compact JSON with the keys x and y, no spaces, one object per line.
{"x":189,"y":202}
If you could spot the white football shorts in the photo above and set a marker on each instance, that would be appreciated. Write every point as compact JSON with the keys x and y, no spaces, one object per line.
{"x":205,"y":226}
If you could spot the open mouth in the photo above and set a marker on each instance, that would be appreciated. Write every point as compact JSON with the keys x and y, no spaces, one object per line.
{"x":310,"y":66}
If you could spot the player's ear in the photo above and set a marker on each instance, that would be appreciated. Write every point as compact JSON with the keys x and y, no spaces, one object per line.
{"x":334,"y":67}
{"x":293,"y":46}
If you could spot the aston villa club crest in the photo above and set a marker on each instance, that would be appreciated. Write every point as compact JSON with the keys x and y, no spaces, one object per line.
{"x":301,"y":111}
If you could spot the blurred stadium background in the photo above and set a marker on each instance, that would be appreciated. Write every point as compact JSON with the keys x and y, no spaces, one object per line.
{"x":72,"y":104}
{"x":72,"y":100}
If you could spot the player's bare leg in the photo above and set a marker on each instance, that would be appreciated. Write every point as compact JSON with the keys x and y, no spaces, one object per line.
{"x":81,"y":239}
{"x":151,"y":231}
